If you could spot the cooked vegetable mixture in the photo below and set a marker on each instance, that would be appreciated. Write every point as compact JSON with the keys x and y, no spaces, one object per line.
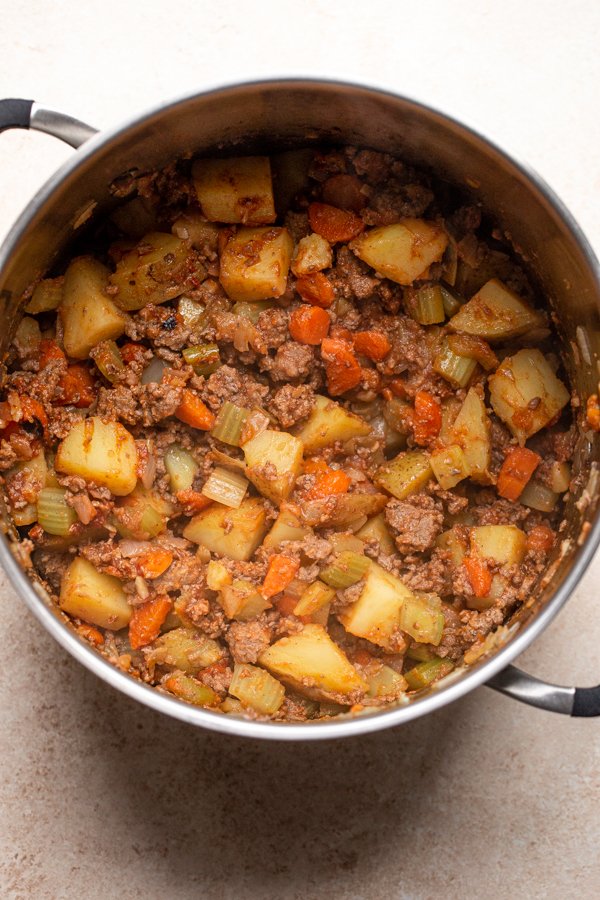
{"x":289,"y":438}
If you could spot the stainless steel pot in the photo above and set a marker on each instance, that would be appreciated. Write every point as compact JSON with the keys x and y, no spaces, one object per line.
{"x":276,"y":115}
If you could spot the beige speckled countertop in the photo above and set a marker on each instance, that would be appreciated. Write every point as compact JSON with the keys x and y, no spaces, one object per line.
{"x":103,"y":799}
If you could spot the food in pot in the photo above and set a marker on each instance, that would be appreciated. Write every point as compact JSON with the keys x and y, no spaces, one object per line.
{"x":288,"y":437}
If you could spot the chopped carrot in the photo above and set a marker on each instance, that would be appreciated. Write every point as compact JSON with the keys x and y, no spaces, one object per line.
{"x":479,"y":574}
{"x":398,"y":388}
{"x":48,"y":351}
{"x":77,"y":385}
{"x":131,"y":352}
{"x":334,"y":224}
{"x":153,"y":562}
{"x":192,"y":501}
{"x":427,"y":419}
{"x":309,"y":324}
{"x":282,"y":570}
{"x":342,"y":368}
{"x":315,"y":465}
{"x":328,"y":483}
{"x":517,"y":468}
{"x":345,"y":192}
{"x":146,"y":620}
{"x":593,"y":412}
{"x":91,"y":634}
{"x":341,"y":333}
{"x":32,"y":409}
{"x":372,"y":344}
{"x":286,"y":604}
{"x":193,"y":412}
{"x":540,"y":538}
{"x":316,"y":289}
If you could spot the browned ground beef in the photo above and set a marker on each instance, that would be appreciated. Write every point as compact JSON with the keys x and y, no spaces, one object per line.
{"x":206,"y":373}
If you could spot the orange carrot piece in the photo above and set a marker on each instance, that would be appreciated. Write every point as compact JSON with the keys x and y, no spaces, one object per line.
{"x":342,"y":368}
{"x":398,"y":388}
{"x":427,"y":419}
{"x":146,"y":620}
{"x":286,"y":604}
{"x":540,"y":538}
{"x":77,"y":385}
{"x":33,"y":409}
{"x":193,"y":412}
{"x":154,"y":562}
{"x":345,"y":192}
{"x":282,"y":570}
{"x":342,"y":334}
{"x":517,"y":468}
{"x":334,"y":224}
{"x":309,"y":324}
{"x":316,"y":289}
{"x":372,"y":344}
{"x":91,"y":634}
{"x":192,"y":501}
{"x":480,"y":576}
{"x":326,"y":484}
{"x":48,"y":351}
{"x":593,"y":412}
{"x":132,"y":351}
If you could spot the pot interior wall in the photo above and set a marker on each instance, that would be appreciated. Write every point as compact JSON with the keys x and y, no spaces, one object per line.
{"x":280,"y":115}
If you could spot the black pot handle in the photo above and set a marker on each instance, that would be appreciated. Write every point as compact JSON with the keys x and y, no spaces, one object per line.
{"x":566,"y":700}
{"x":29,"y":114}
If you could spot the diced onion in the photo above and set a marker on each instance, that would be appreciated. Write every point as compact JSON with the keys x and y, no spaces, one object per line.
{"x":537,"y":496}
{"x":152,"y":374}
{"x":181,"y":468}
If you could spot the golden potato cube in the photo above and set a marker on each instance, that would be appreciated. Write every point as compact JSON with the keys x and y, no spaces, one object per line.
{"x":449,"y":466}
{"x":330,"y":422}
{"x":406,"y":473}
{"x":103,"y":452}
{"x":403,"y":251}
{"x":241,"y":600}
{"x":235,"y":191}
{"x":88,"y":316}
{"x":193,"y":227}
{"x":375,"y":616}
{"x":453,"y":542}
{"x":471,"y":431}
{"x":255,"y":263}
{"x":160,"y":268}
{"x":505,"y":544}
{"x":377,"y":529}
{"x":235,"y":533}
{"x":313,"y":254}
{"x":274,"y":460}
{"x":526,"y":394}
{"x":311,"y":664}
{"x":47,"y":295}
{"x":286,"y":527}
{"x":340,"y":510}
{"x":496,"y":313}
{"x":93,"y":596}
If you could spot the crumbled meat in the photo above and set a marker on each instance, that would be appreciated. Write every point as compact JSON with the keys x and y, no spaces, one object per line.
{"x":291,"y":404}
{"x":247,"y":640}
{"x":351,"y":277}
{"x":292,"y":362}
{"x":230,"y":384}
{"x":416,"y":522}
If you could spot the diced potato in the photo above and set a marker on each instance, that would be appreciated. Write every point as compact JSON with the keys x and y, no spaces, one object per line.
{"x":47,"y":296}
{"x":449,"y":466}
{"x":330,"y":422}
{"x":103,"y":452}
{"x":505,"y":544}
{"x":559,"y":477}
{"x":496,"y":313}
{"x":191,"y":691}
{"x":255,"y":263}
{"x":256,"y":689}
{"x":33,"y":475}
{"x":311,"y":664}
{"x":471,"y":432}
{"x":160,"y":268}
{"x":455,"y":545}
{"x":93,"y":596}
{"x":538,"y":496}
{"x":142,"y":514}
{"x":526,"y":394}
{"x":193,"y":227}
{"x":241,"y":600}
{"x":422,"y":618}
{"x":274,"y":460}
{"x":287,"y":527}
{"x":313,"y":254}
{"x":375,"y":616}
{"x":185,"y":650}
{"x":405,"y":474}
{"x":217,"y":576}
{"x":235,"y":533}
{"x":403,"y":251}
{"x":385,"y":683}
{"x":342,"y":509}
{"x":238,"y":190}
{"x":88,"y":316}
{"x":376,"y":528}
{"x":316,"y":596}
{"x":28,"y":335}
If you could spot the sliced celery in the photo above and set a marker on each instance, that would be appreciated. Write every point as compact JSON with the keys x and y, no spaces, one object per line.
{"x":421,"y":617}
{"x":348,"y":568}
{"x":109,"y":361}
{"x":314,"y":598}
{"x":386,"y":683}
{"x":452,"y":303}
{"x":232,"y":706}
{"x":256,"y":689}
{"x":426,"y":673}
{"x":191,"y":691}
{"x":53,"y":512}
{"x":203,"y":358}
{"x":229,"y":423}
{"x":184,"y":649}
{"x":226,"y":486}
{"x":428,"y":305}
{"x":420,"y":653}
{"x":181,"y":468}
{"x":454,"y":368}
{"x":241,"y":600}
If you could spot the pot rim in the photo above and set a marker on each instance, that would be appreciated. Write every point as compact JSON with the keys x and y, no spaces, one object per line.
{"x":451,"y":688}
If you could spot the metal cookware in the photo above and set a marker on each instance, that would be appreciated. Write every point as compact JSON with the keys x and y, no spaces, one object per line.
{"x":275,"y":115}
